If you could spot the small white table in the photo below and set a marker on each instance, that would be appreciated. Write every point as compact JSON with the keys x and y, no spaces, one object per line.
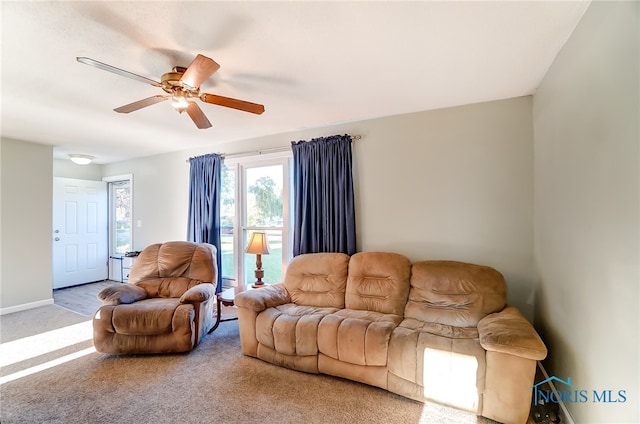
{"x":121,"y":257}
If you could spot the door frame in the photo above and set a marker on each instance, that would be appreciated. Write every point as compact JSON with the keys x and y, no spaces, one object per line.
{"x":113,"y":267}
{"x":60,"y":279}
{"x":240,"y":165}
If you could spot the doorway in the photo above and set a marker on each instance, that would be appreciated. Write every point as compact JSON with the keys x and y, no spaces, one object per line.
{"x":80,"y":232}
{"x":120,"y":190}
{"x":255,"y":197}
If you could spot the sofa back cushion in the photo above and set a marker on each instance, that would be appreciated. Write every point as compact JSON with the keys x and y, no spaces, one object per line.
{"x":317,"y":279}
{"x":454,"y":293}
{"x":379,"y":282}
{"x":169,"y":269}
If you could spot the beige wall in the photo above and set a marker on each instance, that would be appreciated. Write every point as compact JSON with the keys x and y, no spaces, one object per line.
{"x":453,"y":184}
{"x":587,"y":157}
{"x":447,"y":184}
{"x":25,"y":225}
{"x":160,"y":197}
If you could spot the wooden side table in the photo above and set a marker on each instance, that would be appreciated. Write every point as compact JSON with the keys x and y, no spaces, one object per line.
{"x":227,"y":298}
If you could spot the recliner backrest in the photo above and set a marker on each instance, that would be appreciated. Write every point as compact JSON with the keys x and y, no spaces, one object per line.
{"x":317,"y":279}
{"x":378,"y":282}
{"x":169,"y":269}
{"x":454,"y":293}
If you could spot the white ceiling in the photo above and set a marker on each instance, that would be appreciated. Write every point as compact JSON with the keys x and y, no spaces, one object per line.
{"x":310,"y":63}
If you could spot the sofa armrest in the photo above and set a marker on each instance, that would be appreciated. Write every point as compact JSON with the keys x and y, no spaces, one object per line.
{"x":122,"y":293}
{"x":199,"y":293}
{"x":266,"y":297}
{"x":508,"y":331}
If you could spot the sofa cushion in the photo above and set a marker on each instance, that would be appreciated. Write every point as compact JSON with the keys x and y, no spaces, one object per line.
{"x":167,"y":287}
{"x":317,"y":279}
{"x":175,"y":259}
{"x":149,"y":316}
{"x":291,"y":329}
{"x":379,"y":282}
{"x":448,"y":368}
{"x":436,"y":329}
{"x":356,"y":336}
{"x":454,"y":293}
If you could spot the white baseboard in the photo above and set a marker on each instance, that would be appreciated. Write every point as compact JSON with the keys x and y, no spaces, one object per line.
{"x":564,"y":412}
{"x":26,"y":306}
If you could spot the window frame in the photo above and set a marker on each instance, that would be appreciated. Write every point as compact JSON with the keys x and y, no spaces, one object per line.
{"x":240,"y":165}
{"x":110,"y":180}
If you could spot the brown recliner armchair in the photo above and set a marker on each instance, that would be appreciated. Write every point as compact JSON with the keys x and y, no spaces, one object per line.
{"x":167,"y":305}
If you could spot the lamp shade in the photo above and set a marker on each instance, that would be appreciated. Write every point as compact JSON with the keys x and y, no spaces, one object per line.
{"x":258,"y":244}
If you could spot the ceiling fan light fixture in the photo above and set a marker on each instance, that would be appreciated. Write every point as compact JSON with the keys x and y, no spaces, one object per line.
{"x":81,"y":159}
{"x":182,"y":86}
{"x":179,"y":103}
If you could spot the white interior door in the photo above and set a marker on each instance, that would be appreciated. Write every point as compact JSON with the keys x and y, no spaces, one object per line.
{"x":80,"y":232}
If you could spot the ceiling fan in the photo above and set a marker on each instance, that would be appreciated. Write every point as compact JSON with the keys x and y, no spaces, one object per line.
{"x":182,"y":85}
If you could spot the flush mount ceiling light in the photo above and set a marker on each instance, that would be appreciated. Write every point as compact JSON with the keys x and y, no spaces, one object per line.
{"x":81,"y":159}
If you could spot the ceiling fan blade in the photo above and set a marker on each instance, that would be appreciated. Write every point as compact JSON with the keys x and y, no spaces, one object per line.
{"x":199,"y":71}
{"x":141,"y":103}
{"x":232,"y":103}
{"x":198,"y":116}
{"x":118,"y":71}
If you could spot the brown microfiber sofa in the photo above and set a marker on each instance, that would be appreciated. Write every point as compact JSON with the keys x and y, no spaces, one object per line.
{"x":430,"y":331}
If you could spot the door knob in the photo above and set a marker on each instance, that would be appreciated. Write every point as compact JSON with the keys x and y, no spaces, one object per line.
{"x":56,"y":231}
{"x":57,"y":239}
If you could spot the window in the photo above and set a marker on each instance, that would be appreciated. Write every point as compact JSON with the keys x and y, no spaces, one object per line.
{"x":255,"y":197}
{"x":120,"y":212}
{"x":120,"y":189}
{"x":122,"y":217}
{"x":227,"y":222}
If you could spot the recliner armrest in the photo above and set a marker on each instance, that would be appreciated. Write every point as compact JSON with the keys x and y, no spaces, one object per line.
{"x":508,"y":331}
{"x":123,"y":293}
{"x":266,"y":297}
{"x":199,"y":293}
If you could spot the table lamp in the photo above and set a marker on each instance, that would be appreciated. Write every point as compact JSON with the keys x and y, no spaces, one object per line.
{"x":258,"y":245}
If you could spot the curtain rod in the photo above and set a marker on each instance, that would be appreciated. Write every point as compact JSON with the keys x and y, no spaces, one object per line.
{"x":265,"y":151}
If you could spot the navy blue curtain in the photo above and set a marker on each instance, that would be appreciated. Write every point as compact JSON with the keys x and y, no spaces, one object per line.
{"x":324,"y":212}
{"x":204,"y":204}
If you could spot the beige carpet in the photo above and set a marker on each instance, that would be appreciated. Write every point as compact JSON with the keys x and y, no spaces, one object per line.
{"x":214,"y":383}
